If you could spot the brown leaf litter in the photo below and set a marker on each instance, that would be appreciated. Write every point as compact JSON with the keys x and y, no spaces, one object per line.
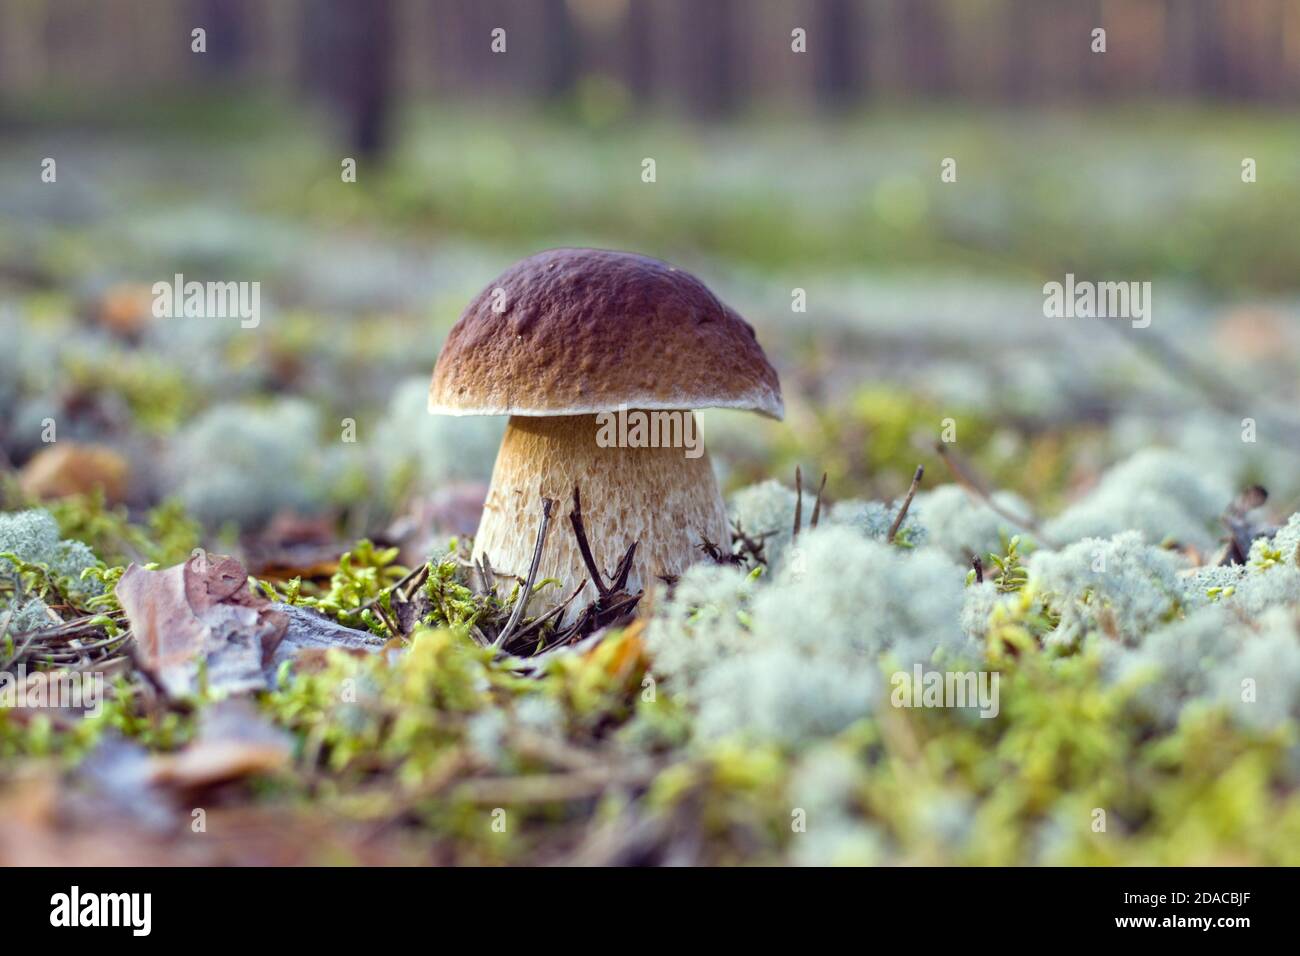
{"x":201,"y":613}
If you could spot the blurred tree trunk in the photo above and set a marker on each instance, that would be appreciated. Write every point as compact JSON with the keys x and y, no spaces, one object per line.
{"x":709,"y":47}
{"x":1095,"y":73}
{"x":560,"y":50}
{"x":226,"y":23}
{"x":839,"y":55}
{"x":927,"y":64}
{"x":1019,"y":56}
{"x":349,"y":64}
{"x":1209,"y":55}
{"x":638,"y":56}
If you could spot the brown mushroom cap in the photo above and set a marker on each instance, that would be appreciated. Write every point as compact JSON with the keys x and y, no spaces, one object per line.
{"x":589,"y":330}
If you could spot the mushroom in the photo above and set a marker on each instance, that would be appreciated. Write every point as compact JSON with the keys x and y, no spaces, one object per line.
{"x":599,"y":357}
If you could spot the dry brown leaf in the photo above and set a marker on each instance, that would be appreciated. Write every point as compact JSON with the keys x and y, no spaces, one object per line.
{"x":201,"y":612}
{"x":125,"y":309}
{"x":234,"y":741}
{"x":46,"y":822}
{"x":295,"y":546}
{"x":69,"y":468}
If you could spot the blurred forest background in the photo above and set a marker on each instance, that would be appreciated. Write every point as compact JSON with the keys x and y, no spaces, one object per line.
{"x":776,"y":171}
{"x":710,"y":59}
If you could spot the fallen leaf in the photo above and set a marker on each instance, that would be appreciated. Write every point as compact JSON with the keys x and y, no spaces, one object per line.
{"x":201,"y":612}
{"x":50,"y":820}
{"x":294,"y":546}
{"x":69,"y":468}
{"x":125,"y":310}
{"x":234,"y":741}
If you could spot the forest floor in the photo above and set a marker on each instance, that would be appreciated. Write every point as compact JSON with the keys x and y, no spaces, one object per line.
{"x":1106,"y":521}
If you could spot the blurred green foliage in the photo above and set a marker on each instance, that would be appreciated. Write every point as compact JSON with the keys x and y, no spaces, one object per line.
{"x":1139,"y":191}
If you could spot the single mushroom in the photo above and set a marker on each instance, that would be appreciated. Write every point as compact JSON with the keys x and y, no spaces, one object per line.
{"x":598,"y":357}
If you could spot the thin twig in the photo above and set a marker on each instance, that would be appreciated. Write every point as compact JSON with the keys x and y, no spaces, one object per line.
{"x":553,"y":612}
{"x":487,"y":577}
{"x":907,"y":503}
{"x":974,"y":487}
{"x":554,"y":787}
{"x":521,"y":603}
{"x":417,"y":582}
{"x":580,"y":532}
{"x":798,"y":502}
{"x":817,"y":506}
{"x":392,"y":587}
{"x":624,"y":568}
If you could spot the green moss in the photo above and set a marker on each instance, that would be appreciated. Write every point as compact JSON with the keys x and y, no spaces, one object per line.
{"x":166,"y":535}
{"x":158,"y":393}
{"x":440,"y":734}
{"x":363,"y":578}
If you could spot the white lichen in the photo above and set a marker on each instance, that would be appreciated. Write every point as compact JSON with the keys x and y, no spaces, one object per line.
{"x":963,"y":527}
{"x":803,"y":654}
{"x":32,"y":536}
{"x":440,"y":448}
{"x":1216,"y":658}
{"x":766,"y":511}
{"x":244,"y":463}
{"x":1122,"y":587}
{"x":22,"y":615}
{"x":1161,"y":493}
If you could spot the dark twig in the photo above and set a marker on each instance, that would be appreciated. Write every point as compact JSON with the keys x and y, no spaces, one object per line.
{"x":798,"y":502}
{"x":406,"y":579}
{"x":580,"y":532}
{"x":624,"y":568}
{"x":487,"y":577}
{"x":716,"y":555}
{"x":598,"y":615}
{"x":907,"y":503}
{"x":974,"y":487}
{"x":1242,"y":531}
{"x":817,"y":506}
{"x":978,"y":565}
{"x":394,"y":629}
{"x":549,"y":615}
{"x":416,"y":582}
{"x":521,"y":602}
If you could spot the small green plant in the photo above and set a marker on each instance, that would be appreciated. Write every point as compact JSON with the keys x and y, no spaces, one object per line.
{"x":454,"y":604}
{"x":1267,"y":557}
{"x":1007,"y":570}
{"x":1010,"y":575}
{"x":363,"y":578}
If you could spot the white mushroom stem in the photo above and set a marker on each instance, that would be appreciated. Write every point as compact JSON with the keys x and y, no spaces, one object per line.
{"x":660,"y":497}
